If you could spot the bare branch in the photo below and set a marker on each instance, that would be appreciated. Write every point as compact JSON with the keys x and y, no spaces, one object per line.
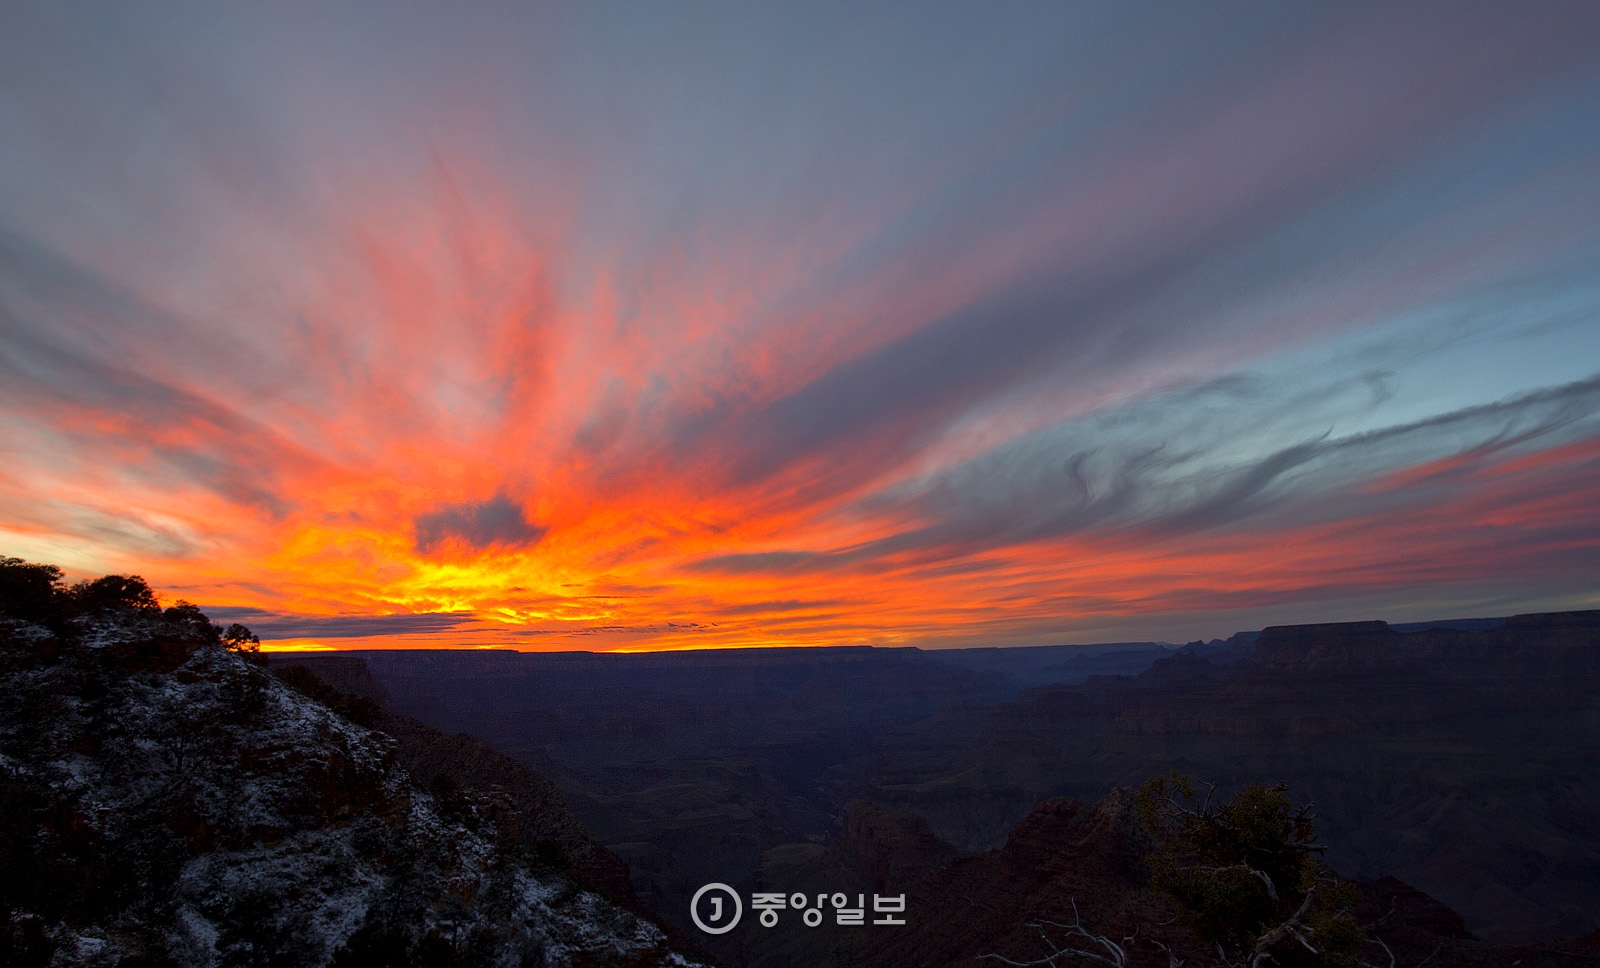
{"x":1116,"y":956}
{"x":1391,"y":953}
{"x":1290,"y":928}
{"x":1173,"y":961}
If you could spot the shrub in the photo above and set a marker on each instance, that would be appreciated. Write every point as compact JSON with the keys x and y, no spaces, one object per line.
{"x":114,"y":593}
{"x":30,"y":592}
{"x":1246,"y":875}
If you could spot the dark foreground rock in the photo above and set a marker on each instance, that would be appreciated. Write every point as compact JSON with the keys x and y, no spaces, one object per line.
{"x":1065,"y":863}
{"x":164,"y":801}
{"x":528,"y":806}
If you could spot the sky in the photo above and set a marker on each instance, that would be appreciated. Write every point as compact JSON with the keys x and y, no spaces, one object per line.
{"x":673,"y":325}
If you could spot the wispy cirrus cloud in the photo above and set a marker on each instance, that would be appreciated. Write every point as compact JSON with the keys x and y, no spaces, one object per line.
{"x":989,"y":329}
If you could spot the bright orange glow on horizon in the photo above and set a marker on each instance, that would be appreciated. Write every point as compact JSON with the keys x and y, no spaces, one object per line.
{"x":655,"y":341}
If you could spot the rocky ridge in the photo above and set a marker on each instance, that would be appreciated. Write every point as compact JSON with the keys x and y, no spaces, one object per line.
{"x":1463,"y":761}
{"x":166,"y":801}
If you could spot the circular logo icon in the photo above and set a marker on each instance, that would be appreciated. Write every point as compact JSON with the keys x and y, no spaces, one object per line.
{"x":721,"y":917}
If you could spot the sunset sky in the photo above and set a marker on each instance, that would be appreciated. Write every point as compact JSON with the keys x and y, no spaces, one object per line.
{"x":669,"y":325}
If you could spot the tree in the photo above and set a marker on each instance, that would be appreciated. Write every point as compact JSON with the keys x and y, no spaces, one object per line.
{"x":238,"y":638}
{"x":117,"y":593}
{"x":30,"y":592}
{"x":189,"y":618}
{"x":1247,"y":877}
{"x":1072,"y":943}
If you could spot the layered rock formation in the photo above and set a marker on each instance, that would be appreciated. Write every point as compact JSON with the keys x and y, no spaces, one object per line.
{"x":1466,"y":762}
{"x":1461,"y":758}
{"x":1065,"y":864}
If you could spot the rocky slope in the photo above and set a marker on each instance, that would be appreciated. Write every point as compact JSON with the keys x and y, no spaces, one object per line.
{"x":1065,"y":862}
{"x":1461,"y":757}
{"x":1466,"y":762}
{"x":525,"y":804}
{"x":164,"y":801}
{"x":687,"y":765}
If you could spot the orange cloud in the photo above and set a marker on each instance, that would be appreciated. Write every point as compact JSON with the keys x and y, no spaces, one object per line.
{"x":393,"y":389}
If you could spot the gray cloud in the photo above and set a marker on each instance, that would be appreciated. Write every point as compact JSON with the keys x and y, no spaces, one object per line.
{"x":73,"y":342}
{"x":1159,"y":285}
{"x":286,"y":625}
{"x":917,"y":220}
{"x":497,"y":522}
{"x":1119,"y":471}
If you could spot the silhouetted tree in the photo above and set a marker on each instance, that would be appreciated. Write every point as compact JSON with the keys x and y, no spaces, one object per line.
{"x":190,"y":619}
{"x":1247,"y":876}
{"x":239,"y":639}
{"x":30,"y":592}
{"x":115,"y":592}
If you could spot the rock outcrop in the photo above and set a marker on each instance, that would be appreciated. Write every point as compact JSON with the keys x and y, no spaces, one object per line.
{"x":164,"y":801}
{"x":1066,"y":863}
{"x":1464,"y":761}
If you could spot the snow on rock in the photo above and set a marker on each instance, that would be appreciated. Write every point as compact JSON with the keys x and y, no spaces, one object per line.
{"x":169,"y":802}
